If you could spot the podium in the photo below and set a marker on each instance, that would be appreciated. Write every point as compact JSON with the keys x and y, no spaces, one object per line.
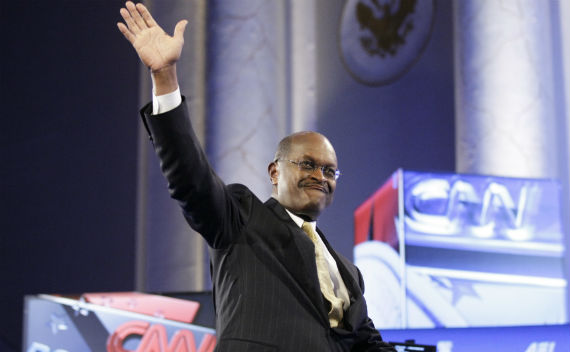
{"x":113,"y":322}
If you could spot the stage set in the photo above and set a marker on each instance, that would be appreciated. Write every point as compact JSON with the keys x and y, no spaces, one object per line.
{"x":452,"y":136}
{"x":455,"y":262}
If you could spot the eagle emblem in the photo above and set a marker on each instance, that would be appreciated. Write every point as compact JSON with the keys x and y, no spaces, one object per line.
{"x":381,"y":39}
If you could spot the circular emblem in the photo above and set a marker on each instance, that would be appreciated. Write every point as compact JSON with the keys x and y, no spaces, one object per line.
{"x":381,"y":39}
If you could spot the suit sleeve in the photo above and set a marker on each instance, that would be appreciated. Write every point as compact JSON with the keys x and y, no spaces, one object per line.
{"x":208,"y":205}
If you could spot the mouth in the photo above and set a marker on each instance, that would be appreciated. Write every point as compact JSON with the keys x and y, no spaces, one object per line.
{"x":317,"y":187}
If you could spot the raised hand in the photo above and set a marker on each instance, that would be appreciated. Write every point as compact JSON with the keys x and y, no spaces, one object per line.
{"x":156,"y":49}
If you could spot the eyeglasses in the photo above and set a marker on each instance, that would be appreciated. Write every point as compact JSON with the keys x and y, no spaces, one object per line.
{"x":309,"y":166}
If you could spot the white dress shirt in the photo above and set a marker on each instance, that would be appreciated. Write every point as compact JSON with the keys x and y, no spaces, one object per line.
{"x":166,"y":102}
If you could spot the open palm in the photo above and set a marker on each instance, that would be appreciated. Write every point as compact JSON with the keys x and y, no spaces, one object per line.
{"x":155,"y":47}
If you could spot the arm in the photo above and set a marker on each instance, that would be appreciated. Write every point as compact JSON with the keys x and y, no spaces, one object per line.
{"x":209,"y":207}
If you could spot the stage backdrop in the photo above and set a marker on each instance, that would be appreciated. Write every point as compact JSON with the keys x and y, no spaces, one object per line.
{"x":386,"y":107}
{"x":69,"y":93}
{"x":276,"y":67}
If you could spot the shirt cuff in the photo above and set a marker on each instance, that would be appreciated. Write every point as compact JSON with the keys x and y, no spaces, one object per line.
{"x":165,"y":102}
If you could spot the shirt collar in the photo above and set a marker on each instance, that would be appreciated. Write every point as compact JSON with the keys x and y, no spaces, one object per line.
{"x":300,"y":221}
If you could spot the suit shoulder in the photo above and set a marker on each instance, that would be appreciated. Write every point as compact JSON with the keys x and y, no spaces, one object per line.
{"x":239,"y":189}
{"x":243,"y":195}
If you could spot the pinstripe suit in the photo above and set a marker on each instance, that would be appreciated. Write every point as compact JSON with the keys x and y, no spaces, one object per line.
{"x":266,"y":289}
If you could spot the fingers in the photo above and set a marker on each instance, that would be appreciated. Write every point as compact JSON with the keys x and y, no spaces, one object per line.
{"x":146,"y":15}
{"x":130,"y":36}
{"x":179,"y":29}
{"x":134,"y":19}
{"x":138,"y":18}
{"x":132,"y":26}
{"x":135,"y":15}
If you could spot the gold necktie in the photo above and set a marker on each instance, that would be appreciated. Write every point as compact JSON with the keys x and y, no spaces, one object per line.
{"x":336,"y":312}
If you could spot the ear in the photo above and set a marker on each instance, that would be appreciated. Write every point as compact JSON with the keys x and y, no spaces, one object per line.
{"x":273,"y":171}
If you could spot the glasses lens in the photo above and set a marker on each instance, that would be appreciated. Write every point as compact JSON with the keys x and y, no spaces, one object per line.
{"x":310,"y":166}
{"x":329,"y":172}
{"x":307,"y":165}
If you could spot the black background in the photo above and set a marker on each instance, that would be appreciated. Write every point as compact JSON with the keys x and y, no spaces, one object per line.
{"x":69,"y":88}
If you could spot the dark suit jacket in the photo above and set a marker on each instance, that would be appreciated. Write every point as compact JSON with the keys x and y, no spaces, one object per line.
{"x":266,"y":290}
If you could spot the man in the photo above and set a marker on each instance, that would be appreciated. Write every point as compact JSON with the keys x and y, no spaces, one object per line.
{"x":278,"y":285}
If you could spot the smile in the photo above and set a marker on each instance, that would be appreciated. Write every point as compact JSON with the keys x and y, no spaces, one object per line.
{"x":317,"y":187}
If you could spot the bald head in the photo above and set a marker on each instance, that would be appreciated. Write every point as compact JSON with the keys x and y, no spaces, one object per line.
{"x":284,"y":146}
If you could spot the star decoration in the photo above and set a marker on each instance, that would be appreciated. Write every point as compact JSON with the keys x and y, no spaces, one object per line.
{"x":57,"y":323}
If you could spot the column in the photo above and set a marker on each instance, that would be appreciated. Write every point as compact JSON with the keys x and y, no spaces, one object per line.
{"x":246,"y":89}
{"x":506,"y":118}
{"x":170,"y":255}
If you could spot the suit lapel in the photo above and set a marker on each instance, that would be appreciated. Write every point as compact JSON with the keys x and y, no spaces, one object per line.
{"x":296,"y":252}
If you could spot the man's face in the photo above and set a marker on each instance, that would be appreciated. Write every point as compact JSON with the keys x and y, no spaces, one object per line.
{"x":302,"y":192}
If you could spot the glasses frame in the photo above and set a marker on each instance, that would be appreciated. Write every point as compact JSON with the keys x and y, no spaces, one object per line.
{"x":305,"y":165}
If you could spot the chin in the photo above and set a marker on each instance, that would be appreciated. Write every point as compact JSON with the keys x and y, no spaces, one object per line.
{"x":313,"y":210}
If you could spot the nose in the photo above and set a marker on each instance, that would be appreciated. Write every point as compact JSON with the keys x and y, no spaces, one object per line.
{"x":319,"y":172}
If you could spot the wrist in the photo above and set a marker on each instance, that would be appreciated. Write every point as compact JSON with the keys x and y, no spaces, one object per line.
{"x":165,"y":79}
